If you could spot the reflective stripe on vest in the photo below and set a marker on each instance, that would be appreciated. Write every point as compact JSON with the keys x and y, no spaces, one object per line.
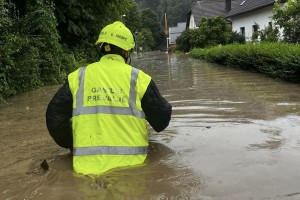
{"x":81,"y":110}
{"x":109,"y":150}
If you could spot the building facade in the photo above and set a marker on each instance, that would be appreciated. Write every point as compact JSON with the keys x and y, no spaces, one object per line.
{"x":209,"y":8}
{"x":175,"y":32}
{"x":250,"y":17}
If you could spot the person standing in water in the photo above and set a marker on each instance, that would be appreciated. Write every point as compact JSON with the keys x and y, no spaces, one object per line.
{"x":101,"y":111}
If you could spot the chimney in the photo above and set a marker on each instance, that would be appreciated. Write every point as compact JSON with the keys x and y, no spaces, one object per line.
{"x":227,"y":5}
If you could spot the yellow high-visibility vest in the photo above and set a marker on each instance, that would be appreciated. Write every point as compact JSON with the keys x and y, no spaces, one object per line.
{"x":109,"y":125}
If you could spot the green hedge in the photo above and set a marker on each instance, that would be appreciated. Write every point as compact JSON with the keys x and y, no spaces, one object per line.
{"x":30,"y":52}
{"x":279,"y":60}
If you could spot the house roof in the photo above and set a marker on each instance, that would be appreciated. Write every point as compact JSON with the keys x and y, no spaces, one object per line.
{"x":210,"y":8}
{"x":174,"y":32}
{"x":177,"y":29}
{"x":249,"y":5}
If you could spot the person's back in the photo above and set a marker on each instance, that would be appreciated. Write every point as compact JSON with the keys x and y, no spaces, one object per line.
{"x":109,"y":127}
{"x":110,"y":104}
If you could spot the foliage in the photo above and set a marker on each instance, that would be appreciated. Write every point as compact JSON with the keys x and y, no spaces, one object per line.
{"x":79,"y":24}
{"x":237,"y":38}
{"x":6,"y":49}
{"x":204,"y":38}
{"x":152,"y":4}
{"x":269,"y":34}
{"x":211,"y":32}
{"x":254,"y":36}
{"x":279,"y":60}
{"x":144,"y":39}
{"x":31,"y":55}
{"x":133,"y":19}
{"x":287,"y":17}
{"x":198,"y":53}
{"x":39,"y":24}
{"x":151,"y":22}
{"x":176,"y":10}
{"x":183,"y":42}
{"x":42,"y":41}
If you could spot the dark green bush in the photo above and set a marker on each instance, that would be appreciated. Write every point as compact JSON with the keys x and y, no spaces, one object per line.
{"x":30,"y":52}
{"x":183,"y":41}
{"x":237,"y":38}
{"x":269,"y":34}
{"x":7,"y":49}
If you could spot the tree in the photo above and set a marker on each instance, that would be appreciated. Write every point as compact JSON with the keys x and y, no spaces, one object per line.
{"x":211,"y":32}
{"x":36,"y":34}
{"x":79,"y":24}
{"x":176,"y":10}
{"x":40,"y":26}
{"x":151,"y":22}
{"x":31,"y":54}
{"x":183,"y":41}
{"x":269,"y":34}
{"x":7,"y":48}
{"x":133,"y":18}
{"x":287,"y":17}
{"x":145,"y":39}
{"x":152,"y":4}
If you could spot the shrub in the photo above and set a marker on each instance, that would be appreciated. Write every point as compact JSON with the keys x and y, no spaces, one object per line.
{"x":30,"y":52}
{"x":198,"y":53}
{"x":269,"y":34}
{"x":183,"y":41}
{"x":279,"y":60}
{"x":237,"y":38}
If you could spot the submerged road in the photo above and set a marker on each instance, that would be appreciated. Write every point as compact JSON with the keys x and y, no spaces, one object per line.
{"x":233,"y":135}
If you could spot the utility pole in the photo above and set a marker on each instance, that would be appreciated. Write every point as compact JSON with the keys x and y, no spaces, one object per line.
{"x":167,"y":32}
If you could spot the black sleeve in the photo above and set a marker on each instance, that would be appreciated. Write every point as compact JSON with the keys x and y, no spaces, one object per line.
{"x":156,"y":108}
{"x":58,"y":115}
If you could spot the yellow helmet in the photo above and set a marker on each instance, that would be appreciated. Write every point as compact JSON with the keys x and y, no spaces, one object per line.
{"x":117,"y":34}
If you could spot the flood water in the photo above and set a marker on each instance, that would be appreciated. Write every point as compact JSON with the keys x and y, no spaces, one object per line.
{"x":234,"y":135}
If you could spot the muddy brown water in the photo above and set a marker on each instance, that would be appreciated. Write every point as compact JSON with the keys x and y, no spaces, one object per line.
{"x":233,"y":135}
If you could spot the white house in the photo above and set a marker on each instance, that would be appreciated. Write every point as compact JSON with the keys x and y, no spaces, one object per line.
{"x":175,"y":32}
{"x":209,"y":8}
{"x":251,"y":16}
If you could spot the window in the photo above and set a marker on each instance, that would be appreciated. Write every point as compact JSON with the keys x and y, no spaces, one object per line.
{"x":242,"y":31}
{"x":255,"y":29}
